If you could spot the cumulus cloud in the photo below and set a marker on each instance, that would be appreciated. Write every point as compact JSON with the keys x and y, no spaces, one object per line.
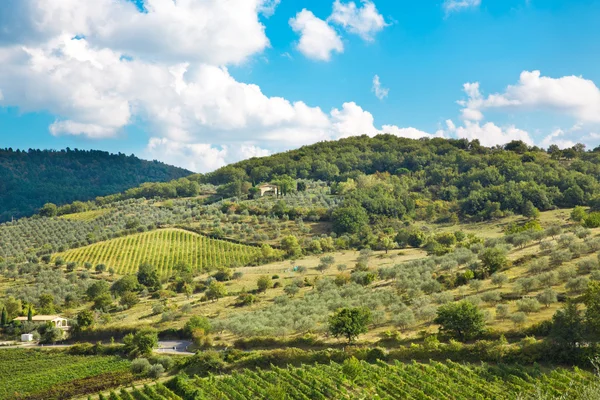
{"x":556,"y":137}
{"x":569,"y":95}
{"x":317,"y":39}
{"x":488,"y":134}
{"x":352,"y":120}
{"x":167,"y":30}
{"x":364,"y":21}
{"x":458,"y":5}
{"x":380,"y":92}
{"x":200,"y":156}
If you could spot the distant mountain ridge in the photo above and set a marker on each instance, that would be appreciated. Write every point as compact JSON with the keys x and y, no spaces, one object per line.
{"x":29,"y":179}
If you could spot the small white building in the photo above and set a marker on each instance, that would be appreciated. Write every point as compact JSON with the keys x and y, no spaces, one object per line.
{"x":267,"y":189}
{"x":27,"y":337}
{"x":55,"y":320}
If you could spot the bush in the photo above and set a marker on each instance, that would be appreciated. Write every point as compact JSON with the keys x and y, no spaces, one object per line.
{"x":528,"y":305}
{"x":166,"y":362}
{"x":140,"y":366}
{"x":156,"y":371}
{"x":196,"y":322}
{"x":592,"y":220}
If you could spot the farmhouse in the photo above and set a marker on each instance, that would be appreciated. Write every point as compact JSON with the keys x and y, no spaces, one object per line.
{"x":267,"y":189}
{"x":55,"y":320}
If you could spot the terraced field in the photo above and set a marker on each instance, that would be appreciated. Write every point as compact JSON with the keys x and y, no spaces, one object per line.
{"x":163,"y":248}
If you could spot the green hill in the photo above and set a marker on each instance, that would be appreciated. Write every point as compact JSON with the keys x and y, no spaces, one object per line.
{"x":29,"y":179}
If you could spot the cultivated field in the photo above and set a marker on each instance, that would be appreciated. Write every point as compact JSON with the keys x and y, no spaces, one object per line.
{"x":163,"y":249}
{"x":50,"y":374}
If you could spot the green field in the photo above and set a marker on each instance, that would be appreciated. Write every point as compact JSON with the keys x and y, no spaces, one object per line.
{"x":361,"y":380}
{"x":86,"y":215}
{"x":48,"y":374}
{"x":163,"y":249}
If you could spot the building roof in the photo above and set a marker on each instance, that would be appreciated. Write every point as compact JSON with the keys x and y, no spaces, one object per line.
{"x":40,"y":318}
{"x":267,"y":185}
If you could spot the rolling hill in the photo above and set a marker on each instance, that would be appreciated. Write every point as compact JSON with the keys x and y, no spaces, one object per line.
{"x":29,"y":179}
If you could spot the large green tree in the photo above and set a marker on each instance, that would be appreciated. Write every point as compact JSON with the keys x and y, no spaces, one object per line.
{"x":462,"y":320}
{"x":148,"y":276}
{"x":350,"y":219}
{"x":350,"y":323}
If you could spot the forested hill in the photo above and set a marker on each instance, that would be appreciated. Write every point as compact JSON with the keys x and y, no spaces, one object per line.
{"x":28,"y":179}
{"x":463,"y":175}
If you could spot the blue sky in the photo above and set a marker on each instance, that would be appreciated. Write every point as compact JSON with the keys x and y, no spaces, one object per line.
{"x":257,"y":76}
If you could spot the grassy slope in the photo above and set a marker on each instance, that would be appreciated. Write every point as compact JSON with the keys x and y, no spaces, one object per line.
{"x":141,"y":313}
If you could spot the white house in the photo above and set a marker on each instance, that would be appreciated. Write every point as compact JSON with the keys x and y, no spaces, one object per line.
{"x":267,"y":189}
{"x":55,"y":320}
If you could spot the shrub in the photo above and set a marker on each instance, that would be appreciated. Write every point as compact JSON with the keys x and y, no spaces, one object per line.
{"x":140,"y":366}
{"x":352,"y":368}
{"x":528,"y":305}
{"x":518,"y":318}
{"x":502,"y":311}
{"x":156,"y":371}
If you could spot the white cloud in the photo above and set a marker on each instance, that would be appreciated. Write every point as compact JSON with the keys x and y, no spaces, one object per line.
{"x":352,"y":120}
{"x":267,"y":8}
{"x":458,"y":5}
{"x":569,"y":95}
{"x":364,"y":21}
{"x":200,"y":156}
{"x":380,"y":92}
{"x":317,"y":39}
{"x":488,"y":134}
{"x":92,"y":131}
{"x":168,"y":30}
{"x":410,"y":133}
{"x":554,"y":138}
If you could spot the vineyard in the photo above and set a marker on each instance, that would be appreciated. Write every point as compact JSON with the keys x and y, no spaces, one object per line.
{"x":435,"y":380}
{"x":39,"y":374}
{"x":154,"y":392}
{"x":163,"y":249}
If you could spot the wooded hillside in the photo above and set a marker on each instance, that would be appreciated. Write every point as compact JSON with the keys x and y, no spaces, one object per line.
{"x":28,"y":179}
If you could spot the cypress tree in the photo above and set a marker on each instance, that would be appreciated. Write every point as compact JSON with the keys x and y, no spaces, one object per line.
{"x":29,"y":314}
{"x":4,"y":317}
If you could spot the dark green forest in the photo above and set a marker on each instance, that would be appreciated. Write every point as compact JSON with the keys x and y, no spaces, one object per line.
{"x":28,"y":179}
{"x":477,"y":182}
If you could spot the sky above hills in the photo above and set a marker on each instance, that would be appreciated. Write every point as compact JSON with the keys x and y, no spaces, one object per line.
{"x":202,"y":83}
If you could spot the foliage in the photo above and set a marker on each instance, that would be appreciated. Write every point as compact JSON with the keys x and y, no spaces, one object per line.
{"x":462,"y":320}
{"x":35,"y":177}
{"x":350,"y":322}
{"x":39,"y":374}
{"x":358,"y":379}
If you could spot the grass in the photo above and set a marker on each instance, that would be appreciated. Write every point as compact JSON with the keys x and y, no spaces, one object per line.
{"x":86,"y":216}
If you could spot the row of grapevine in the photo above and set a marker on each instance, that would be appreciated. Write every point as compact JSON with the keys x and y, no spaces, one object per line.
{"x":163,"y":249}
{"x":37,"y":373}
{"x":148,"y":392}
{"x":434,"y":380}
